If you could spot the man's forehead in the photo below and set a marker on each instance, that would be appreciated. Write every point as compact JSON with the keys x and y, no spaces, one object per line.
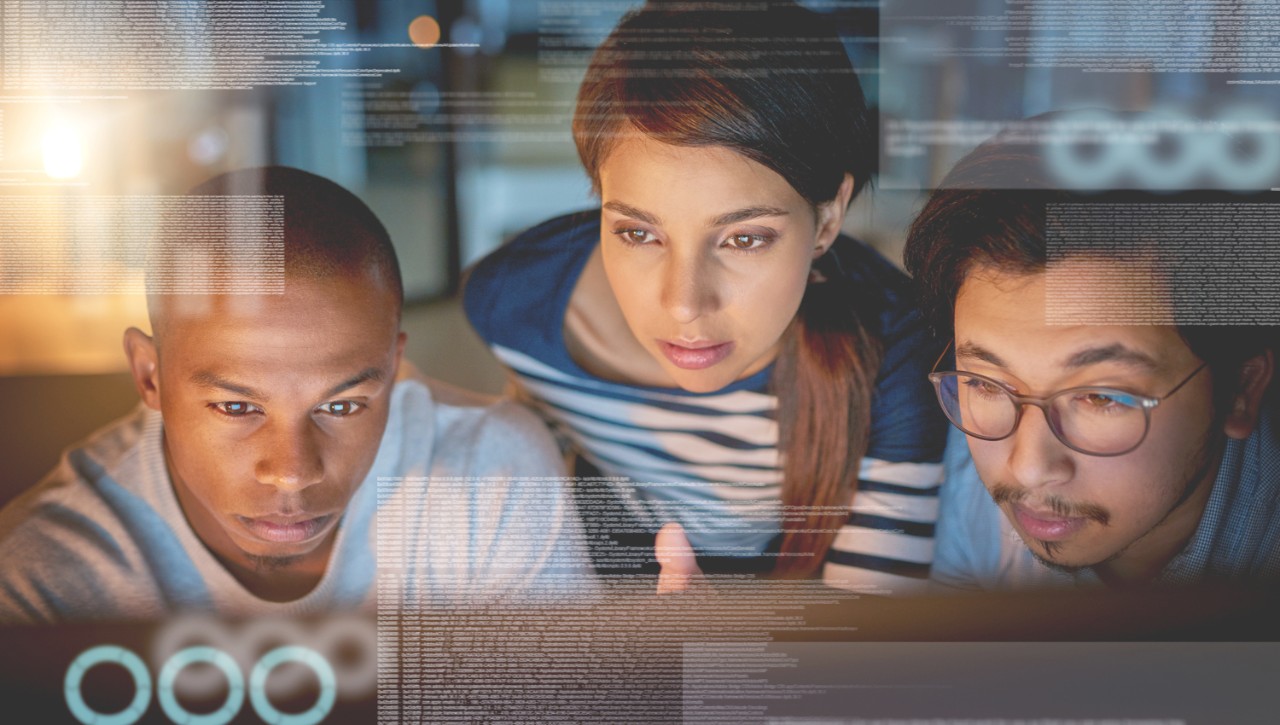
{"x":308,"y":339}
{"x":1005,"y":319}
{"x":341,"y":301}
{"x":1125,"y":289}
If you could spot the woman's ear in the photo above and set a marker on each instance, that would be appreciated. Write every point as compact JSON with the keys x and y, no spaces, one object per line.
{"x":831,"y":217}
{"x":1251,"y":387}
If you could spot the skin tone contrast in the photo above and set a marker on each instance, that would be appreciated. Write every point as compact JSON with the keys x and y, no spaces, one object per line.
{"x":1125,"y":516}
{"x":274,"y":407}
{"x":703,"y":260}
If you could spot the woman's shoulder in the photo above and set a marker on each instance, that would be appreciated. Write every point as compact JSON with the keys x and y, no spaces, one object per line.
{"x":859,"y":263}
{"x":884,"y":293}
{"x":907,"y":425}
{"x":518,"y":284}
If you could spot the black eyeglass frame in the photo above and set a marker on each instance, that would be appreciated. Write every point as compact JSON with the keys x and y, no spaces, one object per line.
{"x":1045,"y":404}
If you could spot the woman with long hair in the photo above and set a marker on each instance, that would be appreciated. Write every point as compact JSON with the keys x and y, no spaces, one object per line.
{"x":707,"y":343}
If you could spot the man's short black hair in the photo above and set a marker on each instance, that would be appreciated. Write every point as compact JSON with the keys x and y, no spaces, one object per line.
{"x":324,"y":231}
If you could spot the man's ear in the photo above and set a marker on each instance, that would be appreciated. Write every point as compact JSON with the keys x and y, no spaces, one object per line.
{"x":144,"y":365}
{"x":405,"y":369}
{"x":831,"y":217}
{"x":1246,"y":404}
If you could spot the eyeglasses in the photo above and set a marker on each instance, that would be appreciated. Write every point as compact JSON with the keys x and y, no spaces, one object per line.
{"x":1091,"y":420}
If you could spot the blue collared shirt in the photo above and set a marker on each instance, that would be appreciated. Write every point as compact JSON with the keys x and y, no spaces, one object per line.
{"x":1237,"y":541}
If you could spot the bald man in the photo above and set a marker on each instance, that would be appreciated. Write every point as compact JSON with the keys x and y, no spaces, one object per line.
{"x":275,"y":430}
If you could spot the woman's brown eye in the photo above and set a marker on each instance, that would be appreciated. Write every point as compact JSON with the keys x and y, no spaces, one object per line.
{"x":747,"y":242}
{"x":638,"y":235}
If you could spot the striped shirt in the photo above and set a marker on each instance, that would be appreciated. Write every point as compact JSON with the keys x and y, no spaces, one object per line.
{"x":710,"y":460}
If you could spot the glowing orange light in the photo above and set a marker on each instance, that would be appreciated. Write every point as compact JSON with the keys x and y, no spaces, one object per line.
{"x":424,"y":31}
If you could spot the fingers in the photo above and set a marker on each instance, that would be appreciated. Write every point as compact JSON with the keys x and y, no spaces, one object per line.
{"x":675,"y":556}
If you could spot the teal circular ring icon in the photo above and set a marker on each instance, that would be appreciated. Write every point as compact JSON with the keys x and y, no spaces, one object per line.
{"x":292,"y":653}
{"x":1260,"y":170}
{"x":1078,"y":172}
{"x":235,"y":686}
{"x":92,"y":657}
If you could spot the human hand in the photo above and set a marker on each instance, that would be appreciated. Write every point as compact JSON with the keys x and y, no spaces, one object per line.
{"x":679,"y":565}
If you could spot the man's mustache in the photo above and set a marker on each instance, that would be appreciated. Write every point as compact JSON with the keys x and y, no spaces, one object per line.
{"x":1004,"y":493}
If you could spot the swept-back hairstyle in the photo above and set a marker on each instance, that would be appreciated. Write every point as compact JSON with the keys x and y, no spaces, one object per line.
{"x":991,"y":211}
{"x":771,"y":81}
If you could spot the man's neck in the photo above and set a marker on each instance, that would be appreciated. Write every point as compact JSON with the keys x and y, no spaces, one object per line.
{"x":277,"y":581}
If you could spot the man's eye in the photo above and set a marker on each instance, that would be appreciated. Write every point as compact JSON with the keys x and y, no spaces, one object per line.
{"x":340,"y":408}
{"x":1105,"y":402}
{"x":235,"y":408}
{"x":984,"y":388}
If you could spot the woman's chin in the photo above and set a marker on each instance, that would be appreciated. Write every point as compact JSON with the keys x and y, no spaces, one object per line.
{"x":706,"y":380}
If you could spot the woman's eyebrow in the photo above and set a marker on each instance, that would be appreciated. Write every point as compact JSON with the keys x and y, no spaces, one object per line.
{"x":750,"y":212}
{"x":631,"y":211}
{"x":732,"y":217}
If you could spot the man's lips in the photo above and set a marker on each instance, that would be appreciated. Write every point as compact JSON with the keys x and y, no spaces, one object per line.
{"x":695,"y":355}
{"x":285,"y":529}
{"x":1046,"y":525}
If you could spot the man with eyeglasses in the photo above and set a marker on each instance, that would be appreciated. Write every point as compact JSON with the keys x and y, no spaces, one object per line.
{"x":1116,"y":454}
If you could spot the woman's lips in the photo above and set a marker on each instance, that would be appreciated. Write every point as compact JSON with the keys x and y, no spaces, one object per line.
{"x":285,"y":530}
{"x":695,"y":355}
{"x":1046,"y":526}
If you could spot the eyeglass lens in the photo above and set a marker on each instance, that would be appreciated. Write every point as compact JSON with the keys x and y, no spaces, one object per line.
{"x":1092,"y":420}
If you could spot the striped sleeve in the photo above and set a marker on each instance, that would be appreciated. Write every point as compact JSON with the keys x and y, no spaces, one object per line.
{"x":886,"y":546}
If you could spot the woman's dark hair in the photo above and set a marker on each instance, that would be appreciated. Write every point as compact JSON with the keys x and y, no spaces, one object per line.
{"x":768,"y":80}
{"x":771,"y":81}
{"x":992,"y":210}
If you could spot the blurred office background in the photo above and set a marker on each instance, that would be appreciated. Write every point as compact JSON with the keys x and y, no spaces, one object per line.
{"x":460,"y":141}
{"x":464,"y":144}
